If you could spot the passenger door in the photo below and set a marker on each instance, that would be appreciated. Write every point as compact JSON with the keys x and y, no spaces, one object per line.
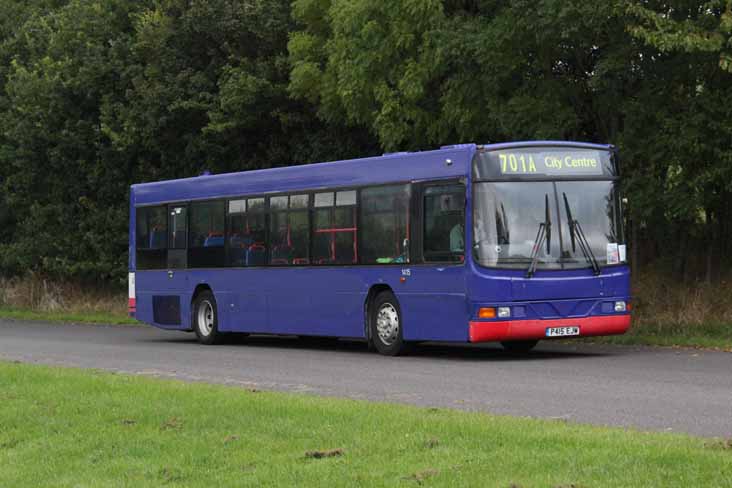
{"x":169,"y":307}
{"x":436,"y":286}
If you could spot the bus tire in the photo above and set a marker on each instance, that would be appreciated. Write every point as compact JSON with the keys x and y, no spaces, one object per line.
{"x":387,"y":331}
{"x":206,"y":319}
{"x":519,"y":346}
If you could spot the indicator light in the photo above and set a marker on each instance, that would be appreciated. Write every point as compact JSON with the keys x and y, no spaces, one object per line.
{"x":487,"y":313}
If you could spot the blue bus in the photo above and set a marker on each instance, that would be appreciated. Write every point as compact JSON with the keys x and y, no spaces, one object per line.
{"x":512,"y":243}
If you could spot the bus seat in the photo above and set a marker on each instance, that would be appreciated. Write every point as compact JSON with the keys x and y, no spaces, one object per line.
{"x":256,"y":254}
{"x":214,"y":239}
{"x":300,"y":261}
{"x":280,"y":261}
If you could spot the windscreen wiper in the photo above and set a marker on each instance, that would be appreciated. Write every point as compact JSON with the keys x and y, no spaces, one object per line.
{"x":544,"y":234}
{"x":576,"y":234}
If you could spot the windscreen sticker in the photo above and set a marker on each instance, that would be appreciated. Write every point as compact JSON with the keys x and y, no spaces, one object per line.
{"x":621,"y":253}
{"x":613,"y":254}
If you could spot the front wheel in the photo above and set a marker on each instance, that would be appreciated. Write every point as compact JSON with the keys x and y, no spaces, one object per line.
{"x":385,"y":322}
{"x":519,"y":346}
{"x":205,"y":319}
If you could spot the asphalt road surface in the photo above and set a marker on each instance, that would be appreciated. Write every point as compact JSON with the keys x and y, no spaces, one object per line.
{"x":678,"y":390}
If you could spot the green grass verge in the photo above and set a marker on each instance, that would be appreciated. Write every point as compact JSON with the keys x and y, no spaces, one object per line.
{"x":63,"y":427}
{"x":712,"y":336}
{"x":70,"y":317}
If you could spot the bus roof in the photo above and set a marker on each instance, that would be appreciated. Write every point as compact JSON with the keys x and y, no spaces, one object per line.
{"x":583,"y":145}
{"x":446,"y":162}
{"x":395,"y":167}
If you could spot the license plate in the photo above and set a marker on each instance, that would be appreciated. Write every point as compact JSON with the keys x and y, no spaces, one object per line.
{"x":562,"y":331}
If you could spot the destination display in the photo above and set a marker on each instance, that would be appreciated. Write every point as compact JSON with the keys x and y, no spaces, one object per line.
{"x":543,"y":162}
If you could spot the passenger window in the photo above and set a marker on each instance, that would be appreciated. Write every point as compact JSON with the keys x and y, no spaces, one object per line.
{"x":151,"y":236}
{"x":444,"y":223}
{"x":385,"y":225}
{"x":151,"y":228}
{"x":289,"y":230}
{"x":247,"y":233}
{"x":334,"y":228}
{"x":206,"y":241}
{"x":207,"y":224}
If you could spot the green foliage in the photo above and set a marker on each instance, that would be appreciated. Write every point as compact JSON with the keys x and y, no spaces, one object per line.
{"x":643,"y":75}
{"x":691,"y":27}
{"x":98,"y":94}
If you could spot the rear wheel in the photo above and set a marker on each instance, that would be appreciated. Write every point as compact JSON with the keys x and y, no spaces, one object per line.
{"x":385,"y":322}
{"x":205,"y":319}
{"x":519,"y":346}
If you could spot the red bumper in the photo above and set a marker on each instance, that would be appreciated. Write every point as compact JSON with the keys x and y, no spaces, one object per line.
{"x":516,"y":330}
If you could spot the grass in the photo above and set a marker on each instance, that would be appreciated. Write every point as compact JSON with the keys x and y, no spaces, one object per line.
{"x":705,"y":336}
{"x":63,"y":427}
{"x":71,"y":317}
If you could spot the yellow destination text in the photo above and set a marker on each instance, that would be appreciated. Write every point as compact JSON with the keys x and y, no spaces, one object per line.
{"x":517,"y":163}
{"x":569,"y":162}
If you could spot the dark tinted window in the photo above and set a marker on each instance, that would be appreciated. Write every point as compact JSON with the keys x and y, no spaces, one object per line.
{"x":247,"y":232}
{"x":289,"y":230}
{"x":334,"y":228}
{"x":384,"y":225}
{"x":151,"y":229}
{"x":444,"y":223}
{"x":207,"y":224}
{"x":151,"y":234}
{"x":206,"y":236}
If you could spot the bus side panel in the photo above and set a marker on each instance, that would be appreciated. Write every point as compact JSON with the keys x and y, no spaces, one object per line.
{"x":433,"y":302}
{"x":325,"y":301}
{"x":329,"y":301}
{"x":162,"y":301}
{"x":241,"y":298}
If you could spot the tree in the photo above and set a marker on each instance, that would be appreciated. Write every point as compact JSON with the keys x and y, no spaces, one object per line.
{"x":102,"y":94}
{"x":644,"y":75}
{"x":693,"y":68}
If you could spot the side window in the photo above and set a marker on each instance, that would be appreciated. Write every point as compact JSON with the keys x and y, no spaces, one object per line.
{"x":206,"y":236}
{"x":444,"y":223}
{"x":385,"y":225}
{"x":151,"y":229}
{"x":151,"y":234}
{"x":247,"y":232}
{"x":334,"y":228}
{"x":289,"y":230}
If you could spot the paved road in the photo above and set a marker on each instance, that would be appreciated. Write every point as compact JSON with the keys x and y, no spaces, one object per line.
{"x":645,"y":388}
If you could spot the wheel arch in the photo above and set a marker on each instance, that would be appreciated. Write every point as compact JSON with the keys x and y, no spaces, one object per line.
{"x":370,"y":297}
{"x":201,"y":287}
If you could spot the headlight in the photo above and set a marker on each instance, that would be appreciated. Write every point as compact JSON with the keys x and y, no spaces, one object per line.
{"x":620,"y":306}
{"x":504,"y":312}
